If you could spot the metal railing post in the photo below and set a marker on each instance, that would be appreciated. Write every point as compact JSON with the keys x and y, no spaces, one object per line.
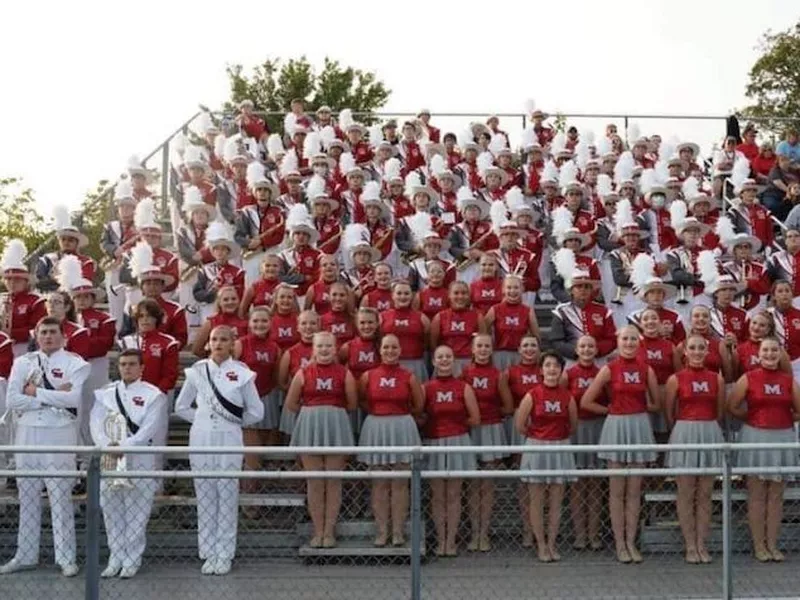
{"x":524,"y":121}
{"x":727,"y":519}
{"x":164,"y":177}
{"x":92,"y":587}
{"x":625,"y":139}
{"x":416,"y":526}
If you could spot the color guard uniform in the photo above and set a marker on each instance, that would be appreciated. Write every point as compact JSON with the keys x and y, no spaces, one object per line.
{"x":696,"y":419}
{"x":590,"y":425}
{"x":446,"y":423}
{"x":549,"y":424}
{"x":407,"y":325}
{"x":261,"y":355}
{"x":511,"y":324}
{"x":485,"y":381}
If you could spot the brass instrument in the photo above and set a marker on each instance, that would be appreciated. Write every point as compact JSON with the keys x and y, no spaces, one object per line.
{"x":332,"y":239}
{"x":463,"y":263}
{"x":250,"y":253}
{"x":520,"y":269}
{"x":108,"y":263}
{"x":742,"y":299}
{"x":188,"y":272}
{"x":6,"y":312}
{"x":625,"y":258}
{"x":382,"y":240}
{"x":115,"y":426}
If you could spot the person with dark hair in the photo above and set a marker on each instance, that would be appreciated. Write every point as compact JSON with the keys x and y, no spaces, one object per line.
{"x":44,"y":390}
{"x":59,"y":305}
{"x":126,"y":508}
{"x":159,"y":351}
{"x":786,"y":318}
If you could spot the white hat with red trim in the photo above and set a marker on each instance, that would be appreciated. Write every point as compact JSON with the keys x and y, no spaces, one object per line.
{"x":12,"y":263}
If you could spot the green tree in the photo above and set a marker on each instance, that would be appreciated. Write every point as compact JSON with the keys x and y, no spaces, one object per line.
{"x":19,"y":217}
{"x":272,"y":85}
{"x":96,"y":211}
{"x":774,"y":80}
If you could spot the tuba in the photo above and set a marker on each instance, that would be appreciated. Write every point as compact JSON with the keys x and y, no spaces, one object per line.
{"x":115,"y":427}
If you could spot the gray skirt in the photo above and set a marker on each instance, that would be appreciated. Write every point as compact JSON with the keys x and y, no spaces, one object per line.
{"x":322,"y":426}
{"x":287,"y":422}
{"x":695,"y":432}
{"x":503,"y":359}
{"x":558,"y":462}
{"x":767,"y":458}
{"x":392,"y":430}
{"x":514,"y":437}
{"x":627,"y":429}
{"x":587,"y":434}
{"x":489,"y":435}
{"x":272,"y":411}
{"x":463,"y":461}
{"x":417,"y":368}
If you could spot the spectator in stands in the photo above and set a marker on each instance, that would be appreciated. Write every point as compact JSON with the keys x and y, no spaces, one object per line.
{"x":749,"y":147}
{"x":547,"y":415}
{"x":694,"y":403}
{"x":322,"y":393}
{"x":218,"y":398}
{"x":763,"y":163}
{"x":450,"y":410}
{"x":781,"y":194}
{"x":250,"y":124}
{"x":772,"y":397}
{"x":391,"y":396}
{"x":790,"y":147}
{"x":227,"y":313}
{"x":633,"y":392}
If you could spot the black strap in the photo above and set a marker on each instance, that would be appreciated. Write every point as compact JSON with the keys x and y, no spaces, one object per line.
{"x":236,"y":411}
{"x":49,"y":386}
{"x":132,"y":427}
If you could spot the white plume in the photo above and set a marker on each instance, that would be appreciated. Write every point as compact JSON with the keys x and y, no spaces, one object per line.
{"x":690,"y":188}
{"x":564,"y":260}
{"x":707,"y":267}
{"x":662,"y":171}
{"x":498,"y":216}
{"x":345,"y":118}
{"x":642,"y":269}
{"x":497,"y":143}
{"x":568,"y":174}
{"x":316,"y":187}
{"x":438,"y":165}
{"x":603,"y":186}
{"x":666,"y":150}
{"x":289,"y":164}
{"x":192,"y":198}
{"x":372,"y":191}
{"x":464,"y":138}
{"x":624,"y":215}
{"x":485,"y":162}
{"x":582,"y":155}
{"x":634,"y":133}
{"x":391,"y":170}
{"x":529,"y":106}
{"x":463,"y":196}
{"x":558,"y":144}
{"x":412,"y":181}
{"x":647,"y":180}
{"x":623,"y":170}
{"x":61,"y":218}
{"x":375,"y":135}
{"x":255,"y":173}
{"x":550,"y":172}
{"x":327,"y":135}
{"x":312,"y":144}
{"x":677,"y":213}
{"x":420,"y":225}
{"x":515,"y":201}
{"x":588,"y":137}
{"x":275,"y":146}
{"x":724,"y":230}
{"x":290,"y":123}
{"x":741,"y":171}
{"x":298,"y":215}
{"x":355,"y":234}
{"x":142,"y":257}
{"x":232,"y":147}
{"x":69,"y":273}
{"x":219,"y":145}
{"x":528,"y":138}
{"x":562,"y":220}
{"x":123,"y":189}
{"x":347,"y":163}
{"x":14,"y":255}
{"x":145,"y":213}
{"x":603,"y":146}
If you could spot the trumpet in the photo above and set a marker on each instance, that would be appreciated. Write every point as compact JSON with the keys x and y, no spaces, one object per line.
{"x":682,"y":298}
{"x":463,"y":262}
{"x":188,"y":272}
{"x":115,"y":427}
{"x":108,"y":263}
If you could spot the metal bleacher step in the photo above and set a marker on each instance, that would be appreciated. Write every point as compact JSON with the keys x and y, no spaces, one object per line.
{"x":790,"y":493}
{"x":354,"y":539}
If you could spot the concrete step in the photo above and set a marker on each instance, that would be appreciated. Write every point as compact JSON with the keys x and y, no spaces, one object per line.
{"x":269,"y":500}
{"x":354,"y":539}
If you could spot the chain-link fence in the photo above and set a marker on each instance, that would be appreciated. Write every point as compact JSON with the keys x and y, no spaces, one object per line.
{"x":492,"y":533}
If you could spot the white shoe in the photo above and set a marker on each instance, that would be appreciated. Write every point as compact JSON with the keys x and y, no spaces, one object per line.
{"x":112,"y":570}
{"x":69,"y":570}
{"x":223,"y":567}
{"x":15,"y":565}
{"x":209,"y":567}
{"x":128,"y":572}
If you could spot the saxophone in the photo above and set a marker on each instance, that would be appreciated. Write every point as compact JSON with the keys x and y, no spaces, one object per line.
{"x":115,"y":427}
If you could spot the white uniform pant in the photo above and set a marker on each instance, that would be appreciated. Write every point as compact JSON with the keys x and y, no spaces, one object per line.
{"x":115,"y":292}
{"x":217,"y":499}
{"x":59,"y":491}
{"x":544,"y":268}
{"x":5,"y":430}
{"x":126,"y":513}
{"x":98,"y":378}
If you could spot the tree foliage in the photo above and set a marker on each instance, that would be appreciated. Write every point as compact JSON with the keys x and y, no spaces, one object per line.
{"x":774,"y":80}
{"x":95,"y":212}
{"x":19,"y":217}
{"x":272,"y":85}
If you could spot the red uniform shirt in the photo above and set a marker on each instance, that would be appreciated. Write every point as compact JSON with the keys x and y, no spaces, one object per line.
{"x":521,"y":379}
{"x":283,"y":330}
{"x":579,"y":378}
{"x":433,"y":300}
{"x":747,"y":351}
{"x":388,"y":390}
{"x":381,"y":236}
{"x":697,"y":394}
{"x":413,"y":158}
{"x":657,"y":352}
{"x":362,"y":152}
{"x":160,"y":354}
{"x":253,"y":126}
{"x":232,"y":320}
{"x":330,"y":235}
{"x":362,"y":355}
{"x":299,"y":356}
{"x":340,"y":324}
{"x":174,"y":320}
{"x":76,"y":339}
{"x":485,"y":293}
{"x":323,"y":385}
{"x":271,"y":226}
{"x":168,"y":263}
{"x":260,"y":354}
{"x":263,"y":291}
{"x":305,"y":262}
{"x":549,"y":413}
{"x":787,"y":328}
{"x":6,"y":354}
{"x":628,"y":386}
{"x":102,"y":330}
{"x":731,"y":320}
{"x":319,"y":292}
{"x":456,"y":330}
{"x":27,"y":309}
{"x":511,"y":324}
{"x":445,"y":407}
{"x":407,"y":325}
{"x":379,"y":299}
{"x":485,"y":380}
{"x":760,"y":223}
{"x":230,"y":274}
{"x":769,"y":399}
{"x":667,"y":237}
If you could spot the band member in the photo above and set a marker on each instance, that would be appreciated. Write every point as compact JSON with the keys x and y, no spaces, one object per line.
{"x":620,"y":261}
{"x":495,"y":403}
{"x":361,"y":353}
{"x":656,"y":214}
{"x":718,"y":357}
{"x":783,"y":264}
{"x":262,"y":291}
{"x":512,"y":258}
{"x":380,"y":297}
{"x":760,"y":326}
{"x":682,"y":260}
{"x":192,"y":250}
{"x":659,"y":353}
{"x":44,"y":389}
{"x":322,"y":207}
{"x":409,"y":149}
{"x":21,"y":308}
{"x":746,"y":270}
{"x":581,"y":316}
{"x":70,"y":241}
{"x":284,"y":326}
{"x":361,"y":256}
{"x":653,"y":292}
{"x":140,"y":177}
{"x":411,"y":328}
{"x":547,"y":414}
{"x":322,"y":393}
{"x":219,"y":273}
{"x":509,"y":321}
{"x":749,"y":217}
{"x":294,"y":358}
{"x":6,"y":425}
{"x":218,"y":398}
{"x":390,"y":395}
{"x":456,"y":326}
{"x":487,"y":289}
{"x":378,"y":223}
{"x":118,"y":237}
{"x":300,"y":259}
{"x":695,"y":402}
{"x":349,"y":197}
{"x":451,"y":410}
{"x":633,"y":392}
{"x":250,"y":124}
{"x":532,"y":240}
{"x":262,"y":356}
{"x":432,"y":247}
{"x":126,"y":508}
{"x":318,"y":296}
{"x":727,"y":320}
{"x":260,"y":227}
{"x":571,"y":242}
{"x":433,"y":298}
{"x":772,"y":398}
{"x":227,"y":314}
{"x":585,"y":492}
{"x":473,"y":236}
{"x":60,"y":306}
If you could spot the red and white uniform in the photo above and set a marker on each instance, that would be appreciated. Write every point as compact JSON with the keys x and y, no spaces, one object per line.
{"x":174,"y":320}
{"x":511,"y":324}
{"x":485,"y":380}
{"x":522,"y":262}
{"x":657,"y":352}
{"x":549,"y":413}
{"x":747,"y":352}
{"x":340,"y":323}
{"x":485,"y":293}
{"x":101,"y":330}
{"x":350,"y":203}
{"x":379,"y":299}
{"x":407,"y":325}
{"x":160,"y":354}
{"x":787,"y":329}
{"x":433,"y":300}
{"x":304,"y":261}
{"x":27,"y":309}
{"x":445,"y":408}
{"x":76,"y":339}
{"x":521,"y":379}
{"x":283,"y":330}
{"x":300,"y":356}
{"x":231,"y":320}
{"x":579,"y":378}
{"x":330,"y":235}
{"x":323,"y":385}
{"x":769,"y":399}
{"x":456,"y":330}
{"x":319,"y":292}
{"x":381,"y":236}
{"x":697,"y":395}
{"x":261,"y":354}
{"x":731,"y":320}
{"x":670,"y":321}
{"x":388,"y":391}
{"x":755,"y":275}
{"x":362,"y":355}
{"x":628,"y":386}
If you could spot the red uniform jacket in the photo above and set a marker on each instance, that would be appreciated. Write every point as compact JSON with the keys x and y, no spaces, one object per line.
{"x":330,"y":235}
{"x":6,"y":355}
{"x":161,"y":353}
{"x":27,"y":308}
{"x":168,"y":263}
{"x":76,"y":339}
{"x":102,"y":330}
{"x":174,"y":321}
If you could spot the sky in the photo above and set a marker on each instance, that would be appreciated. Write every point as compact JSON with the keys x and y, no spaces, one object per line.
{"x":95,"y":82}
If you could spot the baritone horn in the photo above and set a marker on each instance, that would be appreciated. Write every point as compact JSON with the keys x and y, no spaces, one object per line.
{"x":115,"y":426}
